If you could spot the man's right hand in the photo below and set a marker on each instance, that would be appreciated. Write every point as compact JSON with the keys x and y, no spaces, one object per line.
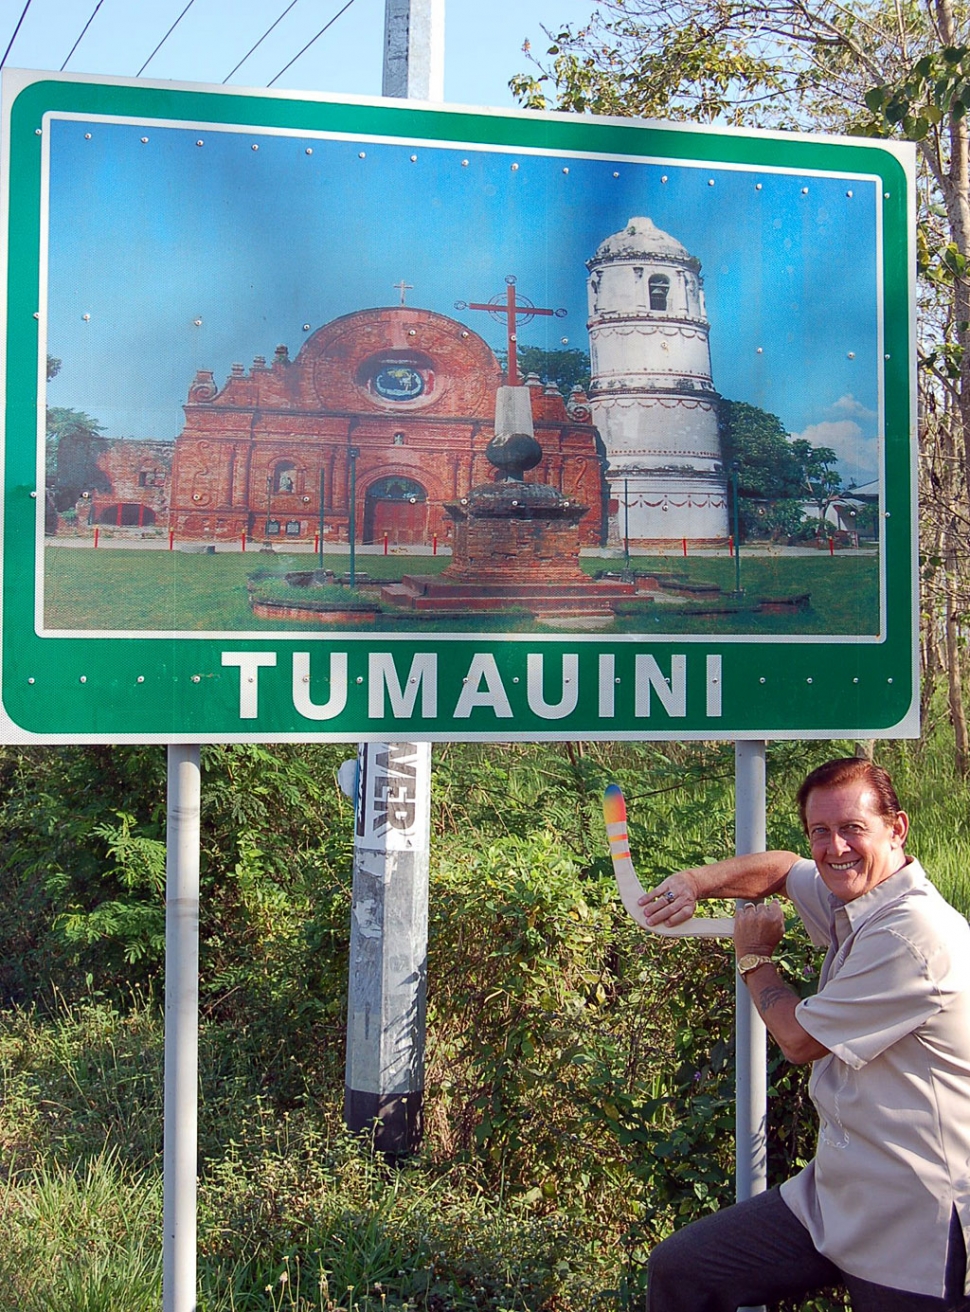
{"x":672,"y":902}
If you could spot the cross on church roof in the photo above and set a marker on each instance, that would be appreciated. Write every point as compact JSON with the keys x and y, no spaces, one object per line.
{"x":514,"y":312}
{"x":403,"y":287}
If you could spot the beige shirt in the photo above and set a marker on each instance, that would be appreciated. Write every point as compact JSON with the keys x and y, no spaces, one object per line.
{"x":893,"y":1095}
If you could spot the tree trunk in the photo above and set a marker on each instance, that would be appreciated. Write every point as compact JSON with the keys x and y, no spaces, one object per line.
{"x":954,"y":673}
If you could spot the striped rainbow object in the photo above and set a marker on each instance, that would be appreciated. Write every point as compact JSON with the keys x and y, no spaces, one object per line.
{"x":630,"y":888}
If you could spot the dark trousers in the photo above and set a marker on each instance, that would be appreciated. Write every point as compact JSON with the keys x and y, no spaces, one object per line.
{"x":758,"y":1252}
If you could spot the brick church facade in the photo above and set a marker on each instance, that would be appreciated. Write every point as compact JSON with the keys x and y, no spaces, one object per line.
{"x":381,"y":419}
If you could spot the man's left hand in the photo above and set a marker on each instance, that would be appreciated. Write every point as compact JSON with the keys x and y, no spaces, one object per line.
{"x":758,"y":928}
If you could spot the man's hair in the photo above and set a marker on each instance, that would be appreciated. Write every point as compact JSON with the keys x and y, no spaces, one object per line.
{"x":850,"y":770}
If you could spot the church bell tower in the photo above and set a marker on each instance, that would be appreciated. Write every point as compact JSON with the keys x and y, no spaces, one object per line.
{"x":652,"y":395}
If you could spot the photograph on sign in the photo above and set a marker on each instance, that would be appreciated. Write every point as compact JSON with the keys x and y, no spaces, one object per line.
{"x":336,"y":384}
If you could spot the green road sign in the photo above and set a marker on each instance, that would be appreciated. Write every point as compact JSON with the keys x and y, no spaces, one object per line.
{"x":360,"y":420}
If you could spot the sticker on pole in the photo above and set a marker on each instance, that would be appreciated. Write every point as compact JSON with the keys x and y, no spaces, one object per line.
{"x":350,"y":421}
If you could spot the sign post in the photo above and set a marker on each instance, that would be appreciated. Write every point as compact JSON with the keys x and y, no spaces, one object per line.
{"x":181,"y":1145}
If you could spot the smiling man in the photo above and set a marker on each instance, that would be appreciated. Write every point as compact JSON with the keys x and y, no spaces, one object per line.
{"x":883,"y":1208}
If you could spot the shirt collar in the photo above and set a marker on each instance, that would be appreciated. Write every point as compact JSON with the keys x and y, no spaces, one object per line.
{"x":860,"y":909}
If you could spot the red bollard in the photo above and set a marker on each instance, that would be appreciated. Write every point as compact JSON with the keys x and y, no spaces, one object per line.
{"x":683,"y":542}
{"x":171,"y":539}
{"x":242,"y":541}
{"x":831,"y":546}
{"x":731,"y":545}
{"x":434,"y":545}
{"x":385,"y":544}
{"x":97,"y":534}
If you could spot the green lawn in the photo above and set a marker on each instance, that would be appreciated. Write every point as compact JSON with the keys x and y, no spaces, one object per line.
{"x":131,"y":589}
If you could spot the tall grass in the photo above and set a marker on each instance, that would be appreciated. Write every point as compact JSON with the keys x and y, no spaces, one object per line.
{"x":578,"y":1083}
{"x":80,"y":1240}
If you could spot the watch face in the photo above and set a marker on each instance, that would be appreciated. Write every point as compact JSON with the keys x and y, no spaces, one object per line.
{"x":398,"y":382}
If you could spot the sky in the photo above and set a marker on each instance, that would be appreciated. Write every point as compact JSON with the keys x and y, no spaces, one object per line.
{"x":483,"y":41}
{"x":235,"y":250}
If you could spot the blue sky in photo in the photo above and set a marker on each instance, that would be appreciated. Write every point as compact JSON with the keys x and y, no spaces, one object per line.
{"x":148,"y":237}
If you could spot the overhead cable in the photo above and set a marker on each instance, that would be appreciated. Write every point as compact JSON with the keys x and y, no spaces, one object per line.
{"x":17,"y":29}
{"x":310,"y":42}
{"x":83,"y":34}
{"x":165,"y":38}
{"x":260,"y":41}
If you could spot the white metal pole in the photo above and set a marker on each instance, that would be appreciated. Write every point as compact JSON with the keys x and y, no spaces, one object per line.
{"x":181,"y":1029}
{"x":751,"y":1048}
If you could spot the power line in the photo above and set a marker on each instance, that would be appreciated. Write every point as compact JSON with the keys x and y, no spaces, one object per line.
{"x":310,"y":42}
{"x":17,"y":29}
{"x":165,"y":38}
{"x":260,"y":41}
{"x":83,"y":34}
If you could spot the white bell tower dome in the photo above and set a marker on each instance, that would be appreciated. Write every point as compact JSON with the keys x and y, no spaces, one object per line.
{"x":651,"y":395}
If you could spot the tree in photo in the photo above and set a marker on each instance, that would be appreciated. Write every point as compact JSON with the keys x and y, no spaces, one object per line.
{"x":777,"y":474}
{"x":567,"y":367}
{"x":74,"y":443}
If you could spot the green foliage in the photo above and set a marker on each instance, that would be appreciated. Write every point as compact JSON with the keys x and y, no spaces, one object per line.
{"x":81,"y":1241}
{"x":579,"y":1082}
{"x":777,"y":474}
{"x":74,"y":443}
{"x":567,"y":368}
{"x":937,"y":88}
{"x":679,"y":69}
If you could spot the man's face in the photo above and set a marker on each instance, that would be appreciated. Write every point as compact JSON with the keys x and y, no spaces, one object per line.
{"x":853,"y":846}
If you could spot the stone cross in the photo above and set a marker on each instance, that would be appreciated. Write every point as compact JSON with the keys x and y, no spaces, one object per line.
{"x":513,"y":312}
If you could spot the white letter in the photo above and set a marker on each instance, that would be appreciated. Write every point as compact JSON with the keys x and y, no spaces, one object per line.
{"x":483,"y":667}
{"x":713,"y":685}
{"x":249,"y":663}
{"x":337,"y":700}
{"x":673,"y":695}
{"x":607,"y":696}
{"x":570,"y":687}
{"x":381,"y":673}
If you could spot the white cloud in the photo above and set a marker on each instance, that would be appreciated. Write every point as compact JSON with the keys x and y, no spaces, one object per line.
{"x":847,"y":407}
{"x":857,"y":454}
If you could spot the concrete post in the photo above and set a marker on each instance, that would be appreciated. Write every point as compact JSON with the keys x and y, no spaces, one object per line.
{"x":414,"y":49}
{"x":384,"y":1086}
{"x":181,"y":1030}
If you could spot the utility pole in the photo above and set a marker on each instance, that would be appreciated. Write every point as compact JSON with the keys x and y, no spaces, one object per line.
{"x":387,"y":988}
{"x":414,"y":49}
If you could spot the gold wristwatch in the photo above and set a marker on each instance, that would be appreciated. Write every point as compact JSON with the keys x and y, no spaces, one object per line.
{"x":751,"y":961}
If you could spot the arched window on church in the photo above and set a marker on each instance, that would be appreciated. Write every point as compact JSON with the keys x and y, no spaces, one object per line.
{"x":284,"y":477}
{"x":659,"y":291}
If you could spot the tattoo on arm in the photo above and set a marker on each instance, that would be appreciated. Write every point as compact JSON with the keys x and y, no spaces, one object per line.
{"x":771,"y":994}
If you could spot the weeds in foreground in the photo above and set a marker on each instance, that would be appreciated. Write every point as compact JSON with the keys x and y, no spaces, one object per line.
{"x":579,"y":1079}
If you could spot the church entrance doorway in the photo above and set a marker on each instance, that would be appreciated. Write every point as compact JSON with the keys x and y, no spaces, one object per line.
{"x":398,"y":507}
{"x":127,"y":514}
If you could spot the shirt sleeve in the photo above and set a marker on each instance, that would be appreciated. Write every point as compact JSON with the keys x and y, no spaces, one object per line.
{"x":887,"y":987}
{"x":810,"y":897}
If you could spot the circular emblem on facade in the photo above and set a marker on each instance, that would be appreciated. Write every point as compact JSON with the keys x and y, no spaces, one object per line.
{"x":398,"y":382}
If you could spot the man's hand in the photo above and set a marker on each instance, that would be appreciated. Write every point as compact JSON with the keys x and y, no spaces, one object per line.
{"x":672,"y":902}
{"x":758,"y":928}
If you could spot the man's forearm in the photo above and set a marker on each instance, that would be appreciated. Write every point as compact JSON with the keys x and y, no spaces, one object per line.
{"x":776,"y":1001}
{"x":759,"y":874}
